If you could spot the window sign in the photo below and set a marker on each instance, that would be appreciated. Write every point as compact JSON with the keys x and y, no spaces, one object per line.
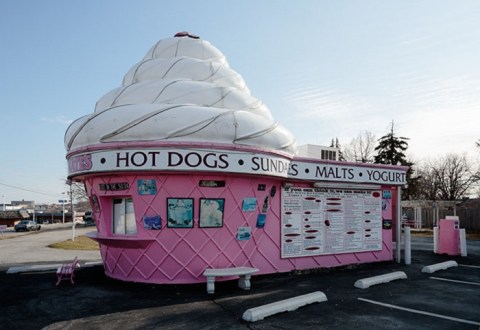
{"x":117,"y":186}
{"x":212,"y":183}
{"x":330,"y":221}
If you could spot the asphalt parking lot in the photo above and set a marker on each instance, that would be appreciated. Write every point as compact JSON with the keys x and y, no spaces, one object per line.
{"x":446,"y":299}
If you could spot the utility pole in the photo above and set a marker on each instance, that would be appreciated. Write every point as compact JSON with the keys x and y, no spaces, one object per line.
{"x":63,"y":208}
{"x":69,"y":182}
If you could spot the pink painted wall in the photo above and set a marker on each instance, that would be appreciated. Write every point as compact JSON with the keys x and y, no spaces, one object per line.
{"x":180,"y":255}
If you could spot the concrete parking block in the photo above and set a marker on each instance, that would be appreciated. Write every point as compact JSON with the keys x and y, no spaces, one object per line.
{"x":365,"y":283}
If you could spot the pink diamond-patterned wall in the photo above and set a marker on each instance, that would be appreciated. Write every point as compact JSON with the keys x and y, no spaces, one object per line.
{"x":180,"y":255}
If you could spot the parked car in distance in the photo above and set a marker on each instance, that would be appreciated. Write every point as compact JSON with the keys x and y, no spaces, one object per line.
{"x":79,"y":221}
{"x":27,"y":225}
{"x":88,"y":219}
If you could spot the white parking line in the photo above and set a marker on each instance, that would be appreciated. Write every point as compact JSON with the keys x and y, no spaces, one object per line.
{"x":455,"y":281}
{"x":419,"y":312}
{"x":471,"y":266}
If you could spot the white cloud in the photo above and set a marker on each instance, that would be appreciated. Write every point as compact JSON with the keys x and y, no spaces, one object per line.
{"x":441,"y":115}
{"x":57,"y":120}
{"x":315,"y":102}
{"x":438,"y":115}
{"x":322,"y":114}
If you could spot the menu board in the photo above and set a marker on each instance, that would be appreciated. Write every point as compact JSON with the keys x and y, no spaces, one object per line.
{"x":330,"y":221}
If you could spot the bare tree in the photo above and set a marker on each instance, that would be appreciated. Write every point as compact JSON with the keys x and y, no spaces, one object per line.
{"x":427,"y":185}
{"x":361,"y":148}
{"x":448,"y":178}
{"x":79,"y":196}
{"x":78,"y":191}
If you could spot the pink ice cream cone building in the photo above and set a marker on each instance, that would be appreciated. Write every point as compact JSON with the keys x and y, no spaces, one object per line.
{"x":186,"y":170}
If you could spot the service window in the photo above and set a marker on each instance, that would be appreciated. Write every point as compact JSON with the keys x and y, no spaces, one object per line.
{"x":124,"y":217}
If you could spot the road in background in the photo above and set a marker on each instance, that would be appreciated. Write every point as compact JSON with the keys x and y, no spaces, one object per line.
{"x":32,"y":247}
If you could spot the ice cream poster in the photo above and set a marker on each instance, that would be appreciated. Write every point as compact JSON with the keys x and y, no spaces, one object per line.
{"x":152,"y":222}
{"x":147,"y":187}
{"x":387,"y":204}
{"x":180,"y":212}
{"x":249,"y":204}
{"x":261,"y":218}
{"x":244,"y":233}
{"x":211,"y":212}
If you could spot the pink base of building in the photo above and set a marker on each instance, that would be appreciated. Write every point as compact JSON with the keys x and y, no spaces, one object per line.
{"x":156,"y":226}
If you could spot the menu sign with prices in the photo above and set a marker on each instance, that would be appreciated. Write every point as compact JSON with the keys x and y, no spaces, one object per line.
{"x":330,"y":221}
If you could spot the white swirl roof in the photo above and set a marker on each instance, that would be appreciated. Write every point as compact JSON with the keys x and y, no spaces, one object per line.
{"x":183,"y":90}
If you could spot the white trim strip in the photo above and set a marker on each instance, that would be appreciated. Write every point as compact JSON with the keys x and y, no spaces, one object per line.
{"x":327,"y":185}
{"x":33,"y":268}
{"x":454,"y":281}
{"x":420,"y":312}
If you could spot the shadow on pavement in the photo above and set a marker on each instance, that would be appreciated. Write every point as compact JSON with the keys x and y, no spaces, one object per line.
{"x":32,"y":301}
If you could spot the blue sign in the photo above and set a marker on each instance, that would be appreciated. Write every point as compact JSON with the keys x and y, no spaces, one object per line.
{"x":152,"y":222}
{"x":147,"y":187}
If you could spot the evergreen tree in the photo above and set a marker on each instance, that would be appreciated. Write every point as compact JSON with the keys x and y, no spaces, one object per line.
{"x":336,"y":144}
{"x":391,"y":150}
{"x":340,"y":153}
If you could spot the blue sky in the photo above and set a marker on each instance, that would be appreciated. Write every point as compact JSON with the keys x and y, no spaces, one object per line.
{"x":325,"y":69}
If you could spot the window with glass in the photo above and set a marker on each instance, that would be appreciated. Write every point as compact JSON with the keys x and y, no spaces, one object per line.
{"x":124,"y":217}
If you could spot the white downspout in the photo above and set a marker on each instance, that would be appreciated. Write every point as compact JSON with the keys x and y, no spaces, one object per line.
{"x":399,"y":225}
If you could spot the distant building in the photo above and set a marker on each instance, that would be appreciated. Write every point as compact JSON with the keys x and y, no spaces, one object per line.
{"x":23,"y":204}
{"x":8,"y":207}
{"x":9,"y":218}
{"x":317,"y":151}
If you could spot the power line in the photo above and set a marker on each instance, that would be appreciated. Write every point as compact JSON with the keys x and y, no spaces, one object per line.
{"x":29,"y":190}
